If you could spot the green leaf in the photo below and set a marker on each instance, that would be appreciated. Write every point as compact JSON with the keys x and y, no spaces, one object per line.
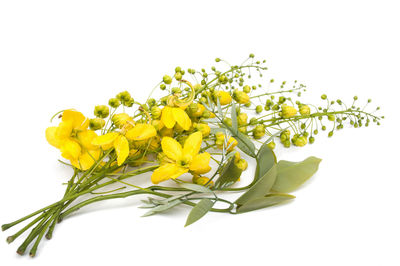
{"x":291,"y":175}
{"x":161,"y":208}
{"x":199,"y":211}
{"x":245,"y":144}
{"x":234,"y":128}
{"x":264,"y":202}
{"x":265,"y":160}
{"x":230,"y":173}
{"x":260,"y":188}
{"x":219,"y":108}
{"x":195,"y":187}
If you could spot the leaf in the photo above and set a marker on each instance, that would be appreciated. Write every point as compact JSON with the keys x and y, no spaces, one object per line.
{"x":229,"y":175}
{"x":234,"y":119}
{"x":265,"y":160}
{"x":245,"y":144}
{"x":264,"y":202}
{"x":199,"y":211}
{"x":260,"y":188}
{"x":195,"y":187}
{"x":215,"y":130}
{"x":161,"y":208}
{"x":291,"y":175}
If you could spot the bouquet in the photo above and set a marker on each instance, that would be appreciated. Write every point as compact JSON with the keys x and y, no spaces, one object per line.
{"x":200,"y":119}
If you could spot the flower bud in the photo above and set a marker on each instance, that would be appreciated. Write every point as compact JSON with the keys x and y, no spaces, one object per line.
{"x":101,"y":111}
{"x":300,"y":141}
{"x":203,"y":128}
{"x":241,"y":164}
{"x":202,"y":180}
{"x":237,"y":157}
{"x":178,"y":76}
{"x":285,"y":135}
{"x":259,"y":109}
{"x":242,"y":130}
{"x":155,"y":112}
{"x":96,"y":123}
{"x":121,"y":119}
{"x":288,"y":111}
{"x":114,"y":102}
{"x":124,"y":97}
{"x":247,"y":89}
{"x":258,"y":131}
{"x":228,"y":121}
{"x":305,"y":110}
{"x":167,"y":79}
{"x":331,"y":117}
{"x":242,"y":119}
{"x":223,"y":96}
{"x":271,"y":145}
{"x":241,"y":97}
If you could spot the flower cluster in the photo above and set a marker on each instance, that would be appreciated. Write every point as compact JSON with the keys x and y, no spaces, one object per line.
{"x":192,"y":139}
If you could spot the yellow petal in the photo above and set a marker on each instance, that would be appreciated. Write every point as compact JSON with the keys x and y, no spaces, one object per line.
{"x":121,"y":147}
{"x":141,"y":132}
{"x":70,"y":149}
{"x":167,"y":171}
{"x":171,"y":148}
{"x":200,"y":163}
{"x":86,"y":159}
{"x":105,"y":141}
{"x":79,"y":121}
{"x":86,"y":137}
{"x":64,"y":130}
{"x":193,"y":144}
{"x":167,"y":117}
{"x":181,"y":118}
{"x":52,"y":138}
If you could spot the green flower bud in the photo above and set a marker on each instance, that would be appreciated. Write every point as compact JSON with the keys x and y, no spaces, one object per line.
{"x":330,"y":134}
{"x":311,"y":140}
{"x":241,"y":164}
{"x":178,"y":76}
{"x":305,"y":110}
{"x":241,"y":97}
{"x":96,"y":123}
{"x":247,"y":89}
{"x":259,"y":109}
{"x":323,"y":96}
{"x":101,"y":111}
{"x":285,"y":135}
{"x":114,"y":102}
{"x":271,"y":145}
{"x":242,"y":130}
{"x":258,"y":131}
{"x":155,"y":112}
{"x":331,"y":117}
{"x":151,"y":102}
{"x":206,"y":114}
{"x":176,"y":90}
{"x":288,"y":111}
{"x":228,"y":121}
{"x":253,"y":121}
{"x":124,"y":96}
{"x":167,"y":79}
{"x":178,"y":69}
{"x":162,"y":86}
{"x":300,"y":141}
{"x":286,"y":143}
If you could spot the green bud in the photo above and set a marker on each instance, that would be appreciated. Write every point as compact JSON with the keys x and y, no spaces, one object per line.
{"x":330,"y":134}
{"x":155,"y":112}
{"x":305,"y":110}
{"x":228,"y":121}
{"x":101,"y":111}
{"x":176,"y":90}
{"x":271,"y":145}
{"x":311,"y":140}
{"x":300,"y":141}
{"x":178,"y":69}
{"x":323,"y":96}
{"x":331,"y":117}
{"x":114,"y":102}
{"x":96,"y":123}
{"x":253,"y":121}
{"x":247,"y":89}
{"x":259,"y":109}
{"x":217,"y":60}
{"x":162,"y":86}
{"x":167,"y":79}
{"x":178,"y":76}
{"x":258,"y":131}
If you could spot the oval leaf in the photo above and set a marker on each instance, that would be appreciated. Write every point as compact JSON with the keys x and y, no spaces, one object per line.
{"x":199,"y":211}
{"x":260,"y":188}
{"x":291,"y":175}
{"x":265,"y":160}
{"x":229,"y":175}
{"x":264,"y":202}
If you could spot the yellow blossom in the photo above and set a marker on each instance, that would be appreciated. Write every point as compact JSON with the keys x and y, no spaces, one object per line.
{"x":73,"y":139}
{"x":119,"y":140}
{"x":224,"y":97}
{"x":182,"y":160}
{"x":288,"y":111}
{"x":175,"y":115}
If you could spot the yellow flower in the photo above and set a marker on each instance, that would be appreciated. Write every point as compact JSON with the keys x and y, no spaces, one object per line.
{"x":119,"y":140}
{"x":224,"y":97}
{"x":220,"y":139}
{"x":74,"y":140}
{"x":288,"y":111}
{"x":172,"y":115}
{"x":182,"y":160}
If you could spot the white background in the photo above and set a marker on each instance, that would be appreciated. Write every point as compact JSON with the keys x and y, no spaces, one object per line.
{"x":76,"y":54}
